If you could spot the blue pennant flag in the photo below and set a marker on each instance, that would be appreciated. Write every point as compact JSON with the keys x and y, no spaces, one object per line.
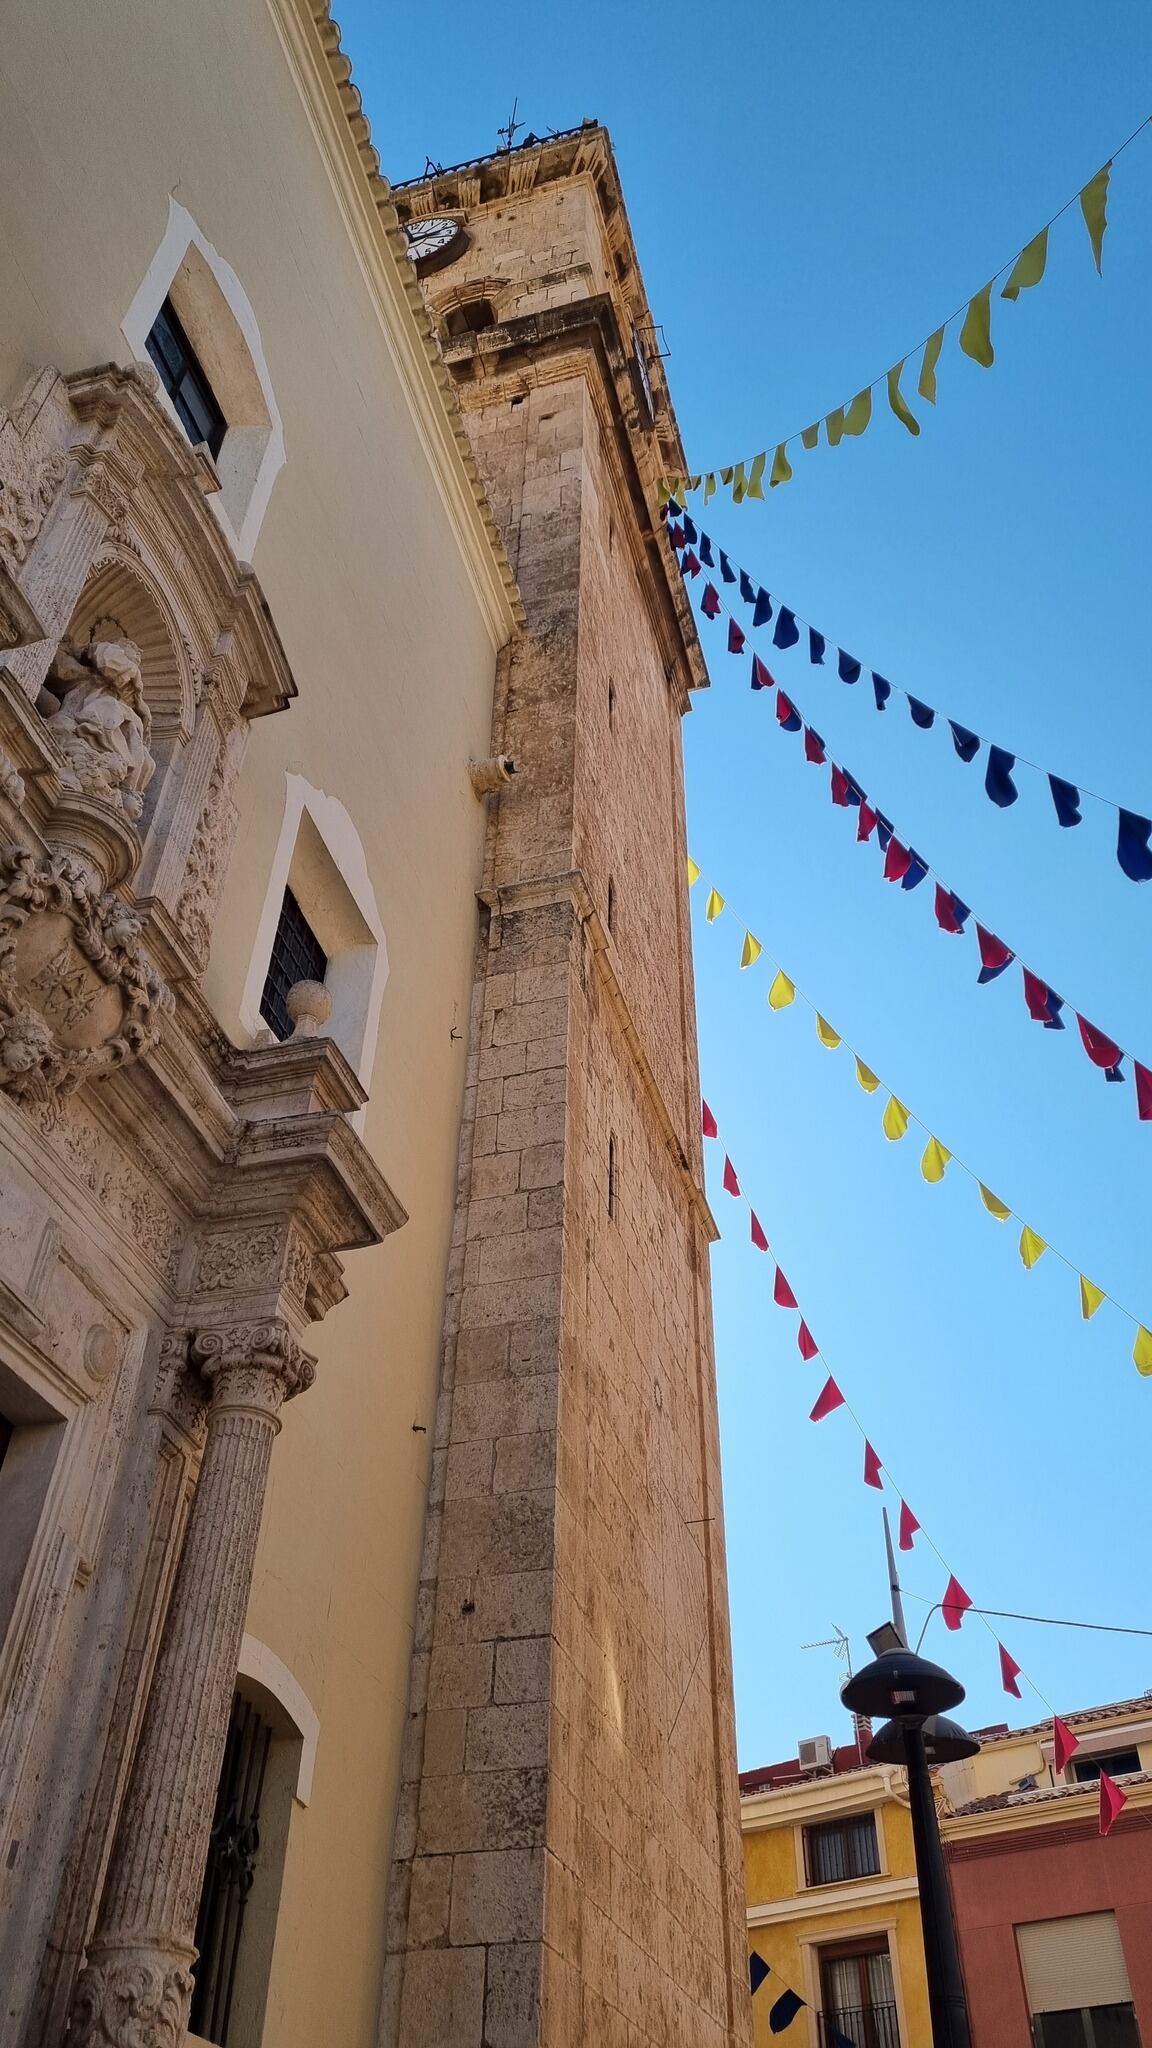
{"x":1066,"y":798}
{"x":816,"y":645}
{"x":690,"y":529}
{"x":758,"y":1969}
{"x":787,"y":631}
{"x":1132,"y":848}
{"x":922,"y":714}
{"x":847,"y":666}
{"x":746,"y":590}
{"x":914,"y":873}
{"x":881,"y":690}
{"x":726,"y":569}
{"x":967,"y":744}
{"x":706,"y":550}
{"x":785,"y":2010}
{"x":672,"y":510}
{"x":763,"y":611}
{"x":883,"y":832}
{"x":998,"y":783}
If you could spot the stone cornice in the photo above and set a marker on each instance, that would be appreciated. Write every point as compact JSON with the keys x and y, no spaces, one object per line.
{"x":812,"y":1800}
{"x":323,"y":73}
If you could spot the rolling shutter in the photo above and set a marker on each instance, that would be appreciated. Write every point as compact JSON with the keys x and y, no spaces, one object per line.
{"x":1076,"y":1961}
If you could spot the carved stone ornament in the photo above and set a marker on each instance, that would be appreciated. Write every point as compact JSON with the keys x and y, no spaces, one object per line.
{"x":28,"y":484}
{"x":77,"y":996}
{"x":253,"y":1364}
{"x":95,"y":709}
{"x":11,"y":781}
{"x":123,"y":2000}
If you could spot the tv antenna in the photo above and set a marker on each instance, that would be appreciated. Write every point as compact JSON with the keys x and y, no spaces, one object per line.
{"x":511,"y":127}
{"x":838,"y":1642}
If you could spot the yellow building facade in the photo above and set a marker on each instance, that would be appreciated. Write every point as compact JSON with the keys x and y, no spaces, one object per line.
{"x":832,"y":1901}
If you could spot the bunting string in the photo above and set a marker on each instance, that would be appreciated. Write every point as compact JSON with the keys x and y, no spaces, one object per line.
{"x":937,"y":1157}
{"x":1134,"y":831}
{"x":903,"y":864}
{"x":955,"y":1602}
{"x":1023,"y":271}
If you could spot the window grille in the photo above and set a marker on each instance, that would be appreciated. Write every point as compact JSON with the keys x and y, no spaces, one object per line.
{"x":230,"y":1873}
{"x":184,"y":380}
{"x":297,"y":955}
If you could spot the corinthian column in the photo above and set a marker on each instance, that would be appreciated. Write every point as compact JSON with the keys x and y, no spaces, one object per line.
{"x":135,"y":1989}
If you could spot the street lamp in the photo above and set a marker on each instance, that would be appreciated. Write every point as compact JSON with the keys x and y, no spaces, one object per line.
{"x":913,"y":1695}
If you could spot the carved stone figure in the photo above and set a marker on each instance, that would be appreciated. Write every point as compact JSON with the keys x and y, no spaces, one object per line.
{"x":96,"y":710}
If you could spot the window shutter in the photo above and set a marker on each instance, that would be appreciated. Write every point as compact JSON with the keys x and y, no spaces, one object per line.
{"x":1073,"y":1962}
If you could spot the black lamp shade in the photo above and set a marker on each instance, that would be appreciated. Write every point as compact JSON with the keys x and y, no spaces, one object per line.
{"x":902,"y":1687}
{"x":945,"y":1742}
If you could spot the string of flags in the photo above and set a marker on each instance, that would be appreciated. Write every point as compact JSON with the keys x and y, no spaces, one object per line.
{"x":903,"y":864}
{"x":937,"y":1157}
{"x":955,"y":1601}
{"x":973,"y":320}
{"x":787,"y":2004}
{"x":695,"y":550}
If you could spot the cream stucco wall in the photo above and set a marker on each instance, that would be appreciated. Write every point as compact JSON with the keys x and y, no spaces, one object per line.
{"x":373,"y":563}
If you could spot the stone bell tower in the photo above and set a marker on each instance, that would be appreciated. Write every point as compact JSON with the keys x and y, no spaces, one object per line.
{"x":567,"y":1860}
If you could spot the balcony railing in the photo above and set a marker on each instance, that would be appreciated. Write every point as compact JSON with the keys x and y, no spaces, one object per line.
{"x":861,"y":2026}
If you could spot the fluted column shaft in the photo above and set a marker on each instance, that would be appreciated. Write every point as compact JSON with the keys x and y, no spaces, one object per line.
{"x":136,"y":1987}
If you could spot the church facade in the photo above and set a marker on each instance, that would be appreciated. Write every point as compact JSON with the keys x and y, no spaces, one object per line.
{"x":364,"y":1667}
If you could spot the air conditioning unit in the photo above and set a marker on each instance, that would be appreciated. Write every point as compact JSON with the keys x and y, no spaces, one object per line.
{"x":815,"y":1754}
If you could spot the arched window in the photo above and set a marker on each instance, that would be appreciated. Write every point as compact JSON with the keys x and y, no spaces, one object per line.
{"x":469,"y":318}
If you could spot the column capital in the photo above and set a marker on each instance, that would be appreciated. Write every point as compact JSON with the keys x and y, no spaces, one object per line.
{"x":255,"y":1365}
{"x":126,"y":1996}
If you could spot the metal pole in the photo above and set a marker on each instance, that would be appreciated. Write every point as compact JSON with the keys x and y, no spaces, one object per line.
{"x":946,"y":2002}
{"x":898,"y":1621}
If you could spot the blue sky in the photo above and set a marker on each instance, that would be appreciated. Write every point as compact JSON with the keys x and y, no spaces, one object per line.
{"x":811,"y":191}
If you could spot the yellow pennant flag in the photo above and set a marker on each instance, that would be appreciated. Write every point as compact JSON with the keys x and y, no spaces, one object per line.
{"x":936,"y":1157}
{"x":1031,"y":1247}
{"x":976,"y":333}
{"x":709,"y":485}
{"x":714,"y":905}
{"x":859,"y":412}
{"x":752,"y":951}
{"x":692,"y":483}
{"x":993,"y":1204}
{"x":782,"y":992}
{"x":897,"y":401}
{"x":1094,"y":207}
{"x":1028,"y":268}
{"x":1090,"y":1298}
{"x":664,"y":490}
{"x":726,"y":475}
{"x":895,"y":1119}
{"x":693,"y":871}
{"x":1142,"y":1351}
{"x":781,"y":468}
{"x":756,"y":476}
{"x":834,"y":427}
{"x":926,"y":383}
{"x":867,"y":1079}
{"x":739,"y":484}
{"x":825,"y":1033}
{"x":810,"y":436}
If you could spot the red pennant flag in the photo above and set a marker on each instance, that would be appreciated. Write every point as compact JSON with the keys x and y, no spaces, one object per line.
{"x":828,"y":1399}
{"x":782,"y":1294}
{"x":872,"y":1468}
{"x":839,"y":787}
{"x":955,"y":1603}
{"x":710,"y":602}
{"x":908,"y":1526}
{"x":758,"y":1237}
{"x":761,"y":679}
{"x":897,"y":861}
{"x":1064,"y":1743}
{"x":1112,"y":1801}
{"x":735,"y":638}
{"x":814,"y":748}
{"x":786,"y":711}
{"x":1037,"y":997}
{"x":1009,"y":1672}
{"x":995,"y":956}
{"x":866,"y":822}
{"x":807,"y":1342}
{"x":691,"y":564}
{"x":707,"y":1121}
{"x":1143,"y":1092}
{"x":946,"y":916}
{"x":731,"y":1184}
{"x":1101,"y":1050}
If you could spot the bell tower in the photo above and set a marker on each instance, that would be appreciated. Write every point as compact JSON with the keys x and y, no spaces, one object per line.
{"x":567,"y":1859}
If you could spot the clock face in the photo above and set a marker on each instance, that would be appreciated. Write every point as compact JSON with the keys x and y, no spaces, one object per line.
{"x":438,"y":237}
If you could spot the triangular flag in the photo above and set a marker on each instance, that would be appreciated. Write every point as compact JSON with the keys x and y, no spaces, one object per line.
{"x":895,"y":1119}
{"x":710,"y":601}
{"x":834,"y":426}
{"x":1094,"y":207}
{"x":1090,"y":1298}
{"x":782,"y":1294}
{"x":826,"y":1034}
{"x":758,"y":1237}
{"x":1064,"y":1743}
{"x":1031,"y":1247}
{"x":781,"y":468}
{"x":908,"y":1526}
{"x":976,"y":333}
{"x":898,"y":403}
{"x":782,"y":992}
{"x":872,"y":1467}
{"x":1101,"y":1050}
{"x":1112,"y":1802}
{"x":751,"y":951}
{"x":731,"y":1184}
{"x":784,"y":2011}
{"x":714,"y":905}
{"x":1133,"y":848}
{"x":1028,"y":268}
{"x":1143,"y":1091}
{"x":828,"y":1399}
{"x":693,"y":871}
{"x":758,"y":1969}
{"x":926,"y":384}
{"x":735,"y":637}
{"x":707,"y":1121}
{"x":993,"y":1204}
{"x":867,"y":1079}
{"x":995,"y":956}
{"x":811,"y":436}
{"x":936,"y":1157}
{"x":807,"y":1342}
{"x":955,"y":1603}
{"x":756,"y":476}
{"x":1142,"y":1351}
{"x":761,"y":680}
{"x":1009,"y":1672}
{"x":859,"y":412}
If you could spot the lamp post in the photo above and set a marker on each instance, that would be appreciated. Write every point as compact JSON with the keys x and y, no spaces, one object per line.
{"x":913,"y":1695}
